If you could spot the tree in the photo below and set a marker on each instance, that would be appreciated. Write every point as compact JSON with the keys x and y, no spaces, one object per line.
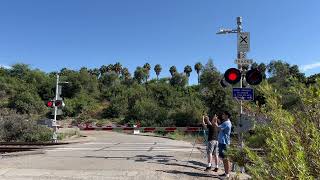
{"x":125,"y":73}
{"x":103,"y":70}
{"x":187,"y":70}
{"x":110,"y":68}
{"x":281,"y":76}
{"x":117,"y":67}
{"x":157,"y":70}
{"x":198,"y":67}
{"x":140,"y":74}
{"x":118,"y":107}
{"x":179,"y":80}
{"x":278,"y":71}
{"x":312,"y":79}
{"x":95,"y":72}
{"x":19,"y":70}
{"x":295,"y":72}
{"x":109,"y":79}
{"x":27,"y":102}
{"x":84,"y":69}
{"x":173,"y":70}
{"x":149,"y":113}
{"x":213,"y":95}
{"x":147,"y":68}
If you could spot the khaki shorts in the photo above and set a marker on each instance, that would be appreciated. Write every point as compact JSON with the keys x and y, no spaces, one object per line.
{"x":212,"y":147}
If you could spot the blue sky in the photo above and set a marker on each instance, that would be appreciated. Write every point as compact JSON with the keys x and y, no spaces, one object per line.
{"x":50,"y":35}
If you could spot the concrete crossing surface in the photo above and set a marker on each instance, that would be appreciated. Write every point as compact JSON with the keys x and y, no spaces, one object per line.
{"x":110,"y":155}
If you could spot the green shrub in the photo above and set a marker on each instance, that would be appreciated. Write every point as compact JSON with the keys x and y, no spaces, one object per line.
{"x":20,"y":128}
{"x":292,"y":138}
{"x":27,"y":102}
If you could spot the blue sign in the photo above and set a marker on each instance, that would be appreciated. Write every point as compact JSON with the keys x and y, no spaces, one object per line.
{"x":243,"y":94}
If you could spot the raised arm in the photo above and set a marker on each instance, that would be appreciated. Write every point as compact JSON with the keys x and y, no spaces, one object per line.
{"x":215,"y":121}
{"x":209,"y":122}
{"x":203,"y":123}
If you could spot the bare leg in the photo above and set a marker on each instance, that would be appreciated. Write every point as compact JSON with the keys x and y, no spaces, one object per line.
{"x":226,"y":165}
{"x":209,"y":158}
{"x":216,"y":160}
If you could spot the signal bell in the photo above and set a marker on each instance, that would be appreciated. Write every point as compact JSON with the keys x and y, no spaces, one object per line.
{"x":232,"y":75}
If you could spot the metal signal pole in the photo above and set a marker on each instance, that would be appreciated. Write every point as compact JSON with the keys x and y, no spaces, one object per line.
{"x":54,"y":122}
{"x":240,"y":55}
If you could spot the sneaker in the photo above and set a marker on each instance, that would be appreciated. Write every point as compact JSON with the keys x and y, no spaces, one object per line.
{"x":207,"y":168}
{"x":216,"y":169}
{"x":224,"y":175}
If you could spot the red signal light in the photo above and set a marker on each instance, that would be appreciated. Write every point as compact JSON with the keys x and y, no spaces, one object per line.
{"x":232,"y":75}
{"x":49,"y":104}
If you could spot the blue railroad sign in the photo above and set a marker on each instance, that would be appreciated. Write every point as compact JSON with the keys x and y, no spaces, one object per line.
{"x":245,"y":94}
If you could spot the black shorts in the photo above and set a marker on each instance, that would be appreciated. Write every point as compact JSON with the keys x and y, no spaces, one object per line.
{"x":222,"y":150}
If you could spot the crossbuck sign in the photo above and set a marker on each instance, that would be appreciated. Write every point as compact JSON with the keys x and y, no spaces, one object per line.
{"x":243,"y":42}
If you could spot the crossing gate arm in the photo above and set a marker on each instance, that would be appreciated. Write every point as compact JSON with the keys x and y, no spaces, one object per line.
{"x":142,"y":129}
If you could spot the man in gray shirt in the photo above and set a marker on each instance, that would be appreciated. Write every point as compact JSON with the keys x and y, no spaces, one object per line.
{"x":212,"y":146}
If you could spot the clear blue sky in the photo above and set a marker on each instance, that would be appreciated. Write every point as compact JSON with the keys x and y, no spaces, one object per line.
{"x":50,"y":35}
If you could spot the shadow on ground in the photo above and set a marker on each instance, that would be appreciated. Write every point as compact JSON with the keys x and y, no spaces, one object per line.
{"x":194,"y":174}
{"x":139,"y":158}
{"x":167,"y":161}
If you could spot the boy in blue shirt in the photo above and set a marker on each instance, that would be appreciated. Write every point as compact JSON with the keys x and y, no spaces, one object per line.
{"x":224,"y":139}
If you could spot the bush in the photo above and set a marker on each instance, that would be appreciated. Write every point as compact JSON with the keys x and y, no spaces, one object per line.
{"x":20,"y":128}
{"x":292,"y":138}
{"x":27,"y":102}
{"x":80,"y":103}
{"x":149,"y":113}
{"x":118,"y":107}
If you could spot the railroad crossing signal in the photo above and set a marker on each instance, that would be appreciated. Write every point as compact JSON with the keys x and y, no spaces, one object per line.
{"x":56,"y":103}
{"x":233,"y":76}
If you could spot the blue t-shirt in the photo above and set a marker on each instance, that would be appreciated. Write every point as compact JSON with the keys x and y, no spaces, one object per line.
{"x":224,"y":133}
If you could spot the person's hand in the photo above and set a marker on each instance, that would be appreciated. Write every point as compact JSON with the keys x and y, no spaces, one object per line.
{"x":215,"y":118}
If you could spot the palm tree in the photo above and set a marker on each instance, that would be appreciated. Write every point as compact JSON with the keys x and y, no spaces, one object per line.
{"x":95,"y":72}
{"x":63,"y":71}
{"x":110,"y":68}
{"x":173,"y":70}
{"x":83,"y":69}
{"x":125,"y":73}
{"x":187,"y":70}
{"x":117,"y":67}
{"x":147,"y":68}
{"x":103,"y":69}
{"x":139,"y":74}
{"x":198,"y":67}
{"x":157,"y":69}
